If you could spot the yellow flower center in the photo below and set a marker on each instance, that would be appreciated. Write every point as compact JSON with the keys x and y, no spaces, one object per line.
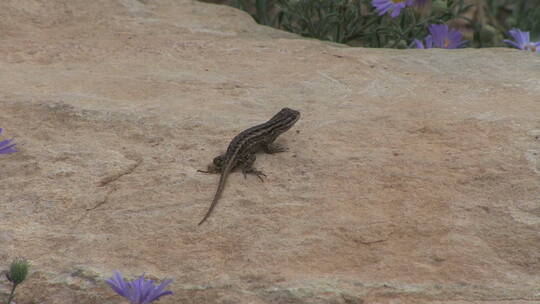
{"x":446,"y":43}
{"x":398,"y":1}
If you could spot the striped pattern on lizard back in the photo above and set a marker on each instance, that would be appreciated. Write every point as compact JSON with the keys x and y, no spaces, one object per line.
{"x":242,"y":149}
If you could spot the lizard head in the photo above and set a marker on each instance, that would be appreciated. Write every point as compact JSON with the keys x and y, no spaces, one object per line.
{"x":285,"y":118}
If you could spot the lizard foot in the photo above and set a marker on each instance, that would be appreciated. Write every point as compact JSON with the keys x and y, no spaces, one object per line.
{"x":256,"y":172}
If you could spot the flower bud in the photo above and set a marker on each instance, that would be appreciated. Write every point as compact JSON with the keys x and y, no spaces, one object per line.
{"x":18,"y":271}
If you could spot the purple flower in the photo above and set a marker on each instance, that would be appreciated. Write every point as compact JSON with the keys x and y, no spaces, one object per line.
{"x":6,"y":146}
{"x":138,"y":291}
{"x":383,"y":6}
{"x":522,"y":41}
{"x":441,"y":37}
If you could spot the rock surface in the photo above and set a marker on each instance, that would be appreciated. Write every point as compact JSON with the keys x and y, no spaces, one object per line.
{"x":412,"y":177}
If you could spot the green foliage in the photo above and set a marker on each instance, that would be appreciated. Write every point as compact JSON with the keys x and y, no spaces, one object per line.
{"x":350,"y":21}
{"x":527,"y":18}
{"x":521,"y":14}
{"x":356,"y":22}
{"x":260,"y":10}
{"x":495,"y":18}
{"x":413,"y":24}
{"x":338,"y":20}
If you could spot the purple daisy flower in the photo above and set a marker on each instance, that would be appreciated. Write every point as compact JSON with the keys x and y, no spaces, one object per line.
{"x":395,"y":6}
{"x":139,"y":291}
{"x":6,"y":146}
{"x":441,"y":37}
{"x":522,"y":41}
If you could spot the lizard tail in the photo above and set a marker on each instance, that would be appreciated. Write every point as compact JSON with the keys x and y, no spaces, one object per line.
{"x":219,"y":190}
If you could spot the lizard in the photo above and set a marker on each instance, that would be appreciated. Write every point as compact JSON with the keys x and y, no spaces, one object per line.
{"x":242,"y":148}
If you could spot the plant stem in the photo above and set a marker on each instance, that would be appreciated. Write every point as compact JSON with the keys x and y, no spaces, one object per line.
{"x":12,"y":294}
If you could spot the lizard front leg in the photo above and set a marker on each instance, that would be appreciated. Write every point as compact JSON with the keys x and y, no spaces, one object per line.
{"x":246,"y":164}
{"x":273,"y":148}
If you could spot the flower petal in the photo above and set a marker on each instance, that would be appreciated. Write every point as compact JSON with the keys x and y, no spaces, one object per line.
{"x":383,"y":6}
{"x":429,"y":42}
{"x":438,"y":33}
{"x":6,"y":147}
{"x":139,"y":291}
{"x":512,"y":43}
{"x":118,"y":284}
{"x":522,"y":39}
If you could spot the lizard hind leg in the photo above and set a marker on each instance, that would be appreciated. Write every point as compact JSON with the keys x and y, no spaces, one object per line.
{"x":246,"y":163}
{"x":273,"y":148}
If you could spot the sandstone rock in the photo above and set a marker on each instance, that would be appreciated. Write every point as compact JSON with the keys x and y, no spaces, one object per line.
{"x":412,"y":177}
